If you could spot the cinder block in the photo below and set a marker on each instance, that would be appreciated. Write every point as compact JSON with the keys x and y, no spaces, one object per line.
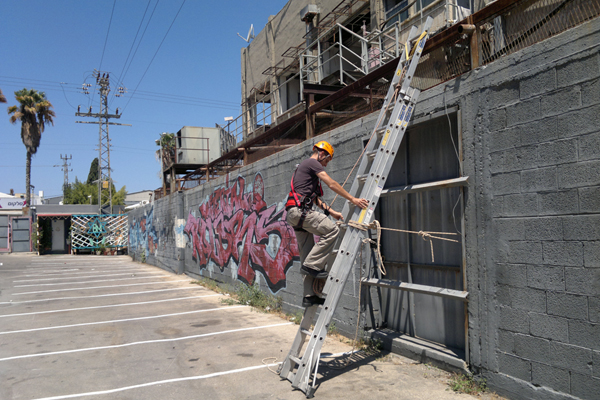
{"x":563,"y":253}
{"x":506,"y":341}
{"x":547,"y":228}
{"x":514,"y":366}
{"x":509,"y":228}
{"x":506,"y":183}
{"x":505,"y":139}
{"x":551,"y":377}
{"x":497,"y":119}
{"x":532,"y":348}
{"x":528,"y":299}
{"x":584,"y":334}
{"x":503,"y":295}
{"x":540,"y":131}
{"x":540,"y":83}
{"x":505,"y":93}
{"x":561,"y":101}
{"x":559,"y":203}
{"x":549,"y":327}
{"x":594,"y":313}
{"x":567,"y":305}
{"x":581,"y":227}
{"x":590,"y":92}
{"x":512,"y":275}
{"x":589,"y":146}
{"x":585,"y":387}
{"x":596,"y":363}
{"x":522,"y":252}
{"x":557,"y":152}
{"x":576,"y":71}
{"x":514,"y":320}
{"x":568,"y":356}
{"x":539,"y":179}
{"x":516,"y":205}
{"x":524,"y":111}
{"x":579,"y":122}
{"x":589,"y":200}
{"x":582,"y":280}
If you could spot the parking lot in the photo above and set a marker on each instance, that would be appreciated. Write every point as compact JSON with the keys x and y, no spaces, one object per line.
{"x":108,"y":328}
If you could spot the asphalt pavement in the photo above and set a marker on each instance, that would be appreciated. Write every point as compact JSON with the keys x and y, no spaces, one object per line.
{"x":102,"y":327}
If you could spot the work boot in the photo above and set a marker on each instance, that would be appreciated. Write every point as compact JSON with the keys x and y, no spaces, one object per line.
{"x":309,"y":301}
{"x":315,"y":273}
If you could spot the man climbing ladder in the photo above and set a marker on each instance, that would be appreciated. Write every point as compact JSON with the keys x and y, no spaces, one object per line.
{"x":305,"y":193}
{"x":375,"y":164}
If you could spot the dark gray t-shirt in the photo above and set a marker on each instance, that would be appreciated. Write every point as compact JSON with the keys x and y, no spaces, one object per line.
{"x":306,"y":179}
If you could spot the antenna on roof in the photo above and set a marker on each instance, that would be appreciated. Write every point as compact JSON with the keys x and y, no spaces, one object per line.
{"x":250,"y":35}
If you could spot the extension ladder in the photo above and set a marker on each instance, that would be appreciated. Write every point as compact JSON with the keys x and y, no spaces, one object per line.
{"x":374,"y":167}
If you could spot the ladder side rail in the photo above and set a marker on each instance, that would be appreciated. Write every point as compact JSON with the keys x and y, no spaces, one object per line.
{"x":375,"y":182}
{"x":382,"y":116}
{"x":403,"y":91}
{"x":288,"y":364}
{"x":334,"y":288}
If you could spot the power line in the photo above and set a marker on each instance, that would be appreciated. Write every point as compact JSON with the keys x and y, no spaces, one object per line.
{"x":107,"y":32}
{"x":159,"y":46}
{"x":77,"y":87}
{"x":123,"y":71}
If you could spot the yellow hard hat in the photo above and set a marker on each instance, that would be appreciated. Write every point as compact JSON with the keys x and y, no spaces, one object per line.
{"x":323,"y":145}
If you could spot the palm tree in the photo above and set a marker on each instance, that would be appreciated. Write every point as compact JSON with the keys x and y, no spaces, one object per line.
{"x":2,"y":98}
{"x":34,"y":112}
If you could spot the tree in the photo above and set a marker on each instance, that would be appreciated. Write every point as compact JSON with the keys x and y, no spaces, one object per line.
{"x":2,"y":98}
{"x":34,"y":112}
{"x":93,"y":175}
{"x":78,"y":193}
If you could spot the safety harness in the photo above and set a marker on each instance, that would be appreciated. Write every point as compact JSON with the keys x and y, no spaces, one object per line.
{"x":305,"y":203}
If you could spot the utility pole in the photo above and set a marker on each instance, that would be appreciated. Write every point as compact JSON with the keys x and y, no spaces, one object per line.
{"x":65,"y":168}
{"x":104,"y":170}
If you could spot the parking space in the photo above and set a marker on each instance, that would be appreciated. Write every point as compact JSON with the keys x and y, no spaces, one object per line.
{"x":108,"y":328}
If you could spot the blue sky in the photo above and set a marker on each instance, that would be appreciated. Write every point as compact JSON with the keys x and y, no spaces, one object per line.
{"x":54,"y":46}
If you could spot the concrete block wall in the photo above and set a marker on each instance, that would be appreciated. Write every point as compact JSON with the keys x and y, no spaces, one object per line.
{"x":531,"y":128}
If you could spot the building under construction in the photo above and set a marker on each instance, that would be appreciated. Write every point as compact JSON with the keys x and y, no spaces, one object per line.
{"x":502,"y":152}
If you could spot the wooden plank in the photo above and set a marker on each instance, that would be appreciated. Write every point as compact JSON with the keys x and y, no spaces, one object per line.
{"x":423,"y":187}
{"x":415,"y":288}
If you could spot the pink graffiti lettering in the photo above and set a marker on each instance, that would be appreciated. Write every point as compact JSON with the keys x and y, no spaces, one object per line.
{"x":239,"y":226}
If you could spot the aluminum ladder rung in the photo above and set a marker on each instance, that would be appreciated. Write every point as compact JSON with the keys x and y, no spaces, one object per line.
{"x":305,"y":331}
{"x":295,"y":359}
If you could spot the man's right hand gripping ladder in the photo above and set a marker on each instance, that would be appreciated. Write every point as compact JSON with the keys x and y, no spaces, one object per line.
{"x":374,"y":167}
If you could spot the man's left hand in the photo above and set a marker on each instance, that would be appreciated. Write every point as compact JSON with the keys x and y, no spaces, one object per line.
{"x":335,"y":214}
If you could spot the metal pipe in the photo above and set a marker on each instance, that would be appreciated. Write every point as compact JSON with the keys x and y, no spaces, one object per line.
{"x":466,"y":28}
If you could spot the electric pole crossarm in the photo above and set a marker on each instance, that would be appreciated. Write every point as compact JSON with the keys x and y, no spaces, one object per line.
{"x":102,"y":123}
{"x":97,"y":115}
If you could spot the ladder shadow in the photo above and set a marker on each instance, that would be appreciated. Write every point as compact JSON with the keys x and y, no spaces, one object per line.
{"x":331,"y":367}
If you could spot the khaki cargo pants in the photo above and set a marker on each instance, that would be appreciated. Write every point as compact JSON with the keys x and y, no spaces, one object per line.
{"x":313,"y":255}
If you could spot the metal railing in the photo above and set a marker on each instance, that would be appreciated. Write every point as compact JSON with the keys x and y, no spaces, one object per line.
{"x":512,"y":29}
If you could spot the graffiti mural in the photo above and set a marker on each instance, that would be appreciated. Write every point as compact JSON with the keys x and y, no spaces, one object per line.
{"x":235,"y":227}
{"x":142,"y":235}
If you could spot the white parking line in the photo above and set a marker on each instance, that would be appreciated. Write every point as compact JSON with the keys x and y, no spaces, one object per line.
{"x":118,"y":320}
{"x":97,"y":295}
{"x":89,"y":271}
{"x":106,"y":306}
{"x":98,"y":287}
{"x":84,"y":282}
{"x":90,"y":276}
{"x":143,"y":342}
{"x":187,"y":378}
